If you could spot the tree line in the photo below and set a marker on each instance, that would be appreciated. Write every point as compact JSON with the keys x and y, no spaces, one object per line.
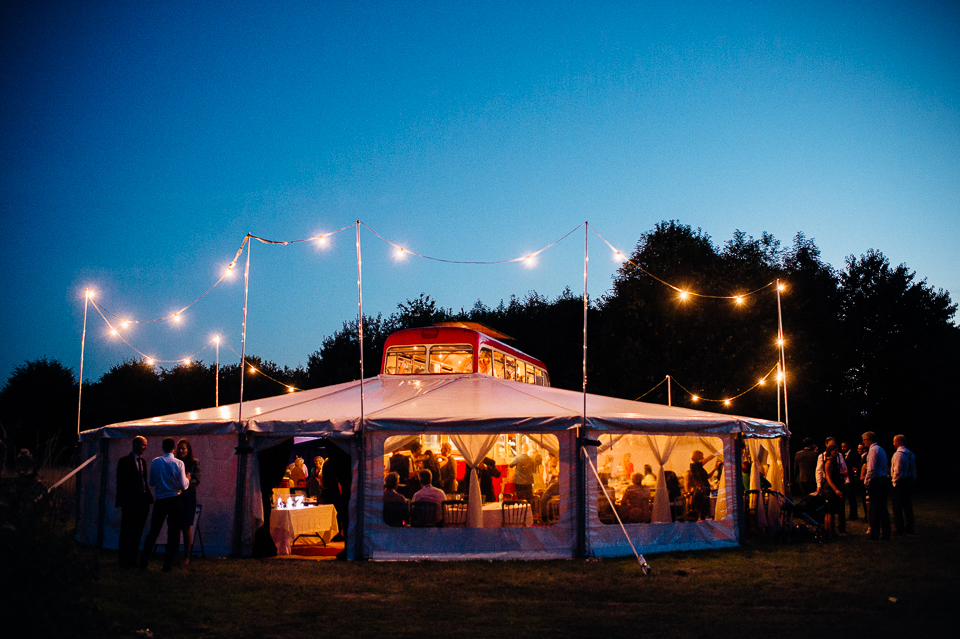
{"x":868,"y":346}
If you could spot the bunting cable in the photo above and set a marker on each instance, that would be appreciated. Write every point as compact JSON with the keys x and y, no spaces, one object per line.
{"x":403,"y":250}
{"x":728,"y":399}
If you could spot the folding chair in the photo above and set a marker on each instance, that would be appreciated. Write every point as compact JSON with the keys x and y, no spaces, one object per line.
{"x":454,"y":513}
{"x":514,"y":513}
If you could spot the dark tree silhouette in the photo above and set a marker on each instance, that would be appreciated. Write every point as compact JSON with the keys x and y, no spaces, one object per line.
{"x":38,"y":410}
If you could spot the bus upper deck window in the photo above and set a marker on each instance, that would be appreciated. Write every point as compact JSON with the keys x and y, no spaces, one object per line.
{"x":510,"y":368}
{"x":451,"y":359}
{"x":406,"y":360}
{"x":498,"y":365}
{"x":485,"y":363}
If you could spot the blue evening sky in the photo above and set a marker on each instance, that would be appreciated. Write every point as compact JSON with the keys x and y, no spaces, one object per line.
{"x":142,"y":141}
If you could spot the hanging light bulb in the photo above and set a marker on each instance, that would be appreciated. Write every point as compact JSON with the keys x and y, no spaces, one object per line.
{"x":619,"y":257}
{"x":151,"y":361}
{"x":289,"y":389}
{"x":726,"y":402}
{"x":684,"y":295}
{"x":186,"y":361}
{"x":400,"y":253}
{"x":738,"y":299}
{"x":113,"y":332}
{"x":216,"y":339}
{"x":252,"y":370}
{"x":176,"y":317}
{"x":694,"y":398}
{"x":90,"y":294}
{"x":763,"y":380}
{"x":530,"y":261}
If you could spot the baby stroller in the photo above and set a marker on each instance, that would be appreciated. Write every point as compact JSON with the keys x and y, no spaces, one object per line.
{"x":801,"y":520}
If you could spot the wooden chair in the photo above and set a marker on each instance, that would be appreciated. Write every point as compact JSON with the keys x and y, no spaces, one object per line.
{"x":424,"y":513}
{"x":454,"y":513}
{"x":514,"y":513}
{"x":553,"y":510}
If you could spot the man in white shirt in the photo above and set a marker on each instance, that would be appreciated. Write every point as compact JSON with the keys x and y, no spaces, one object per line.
{"x":877,"y":483}
{"x":430,"y":493}
{"x":903,"y":474}
{"x":169,"y":478}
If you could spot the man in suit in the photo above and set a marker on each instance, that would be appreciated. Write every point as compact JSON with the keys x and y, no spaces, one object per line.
{"x":133,"y":500}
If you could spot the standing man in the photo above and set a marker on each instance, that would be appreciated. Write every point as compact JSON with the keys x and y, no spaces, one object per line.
{"x":804,"y":468}
{"x":877,"y":483}
{"x":169,"y":477}
{"x":903,"y":473}
{"x":852,"y":459}
{"x":133,"y":500}
{"x":524,"y":465}
{"x":448,"y":470}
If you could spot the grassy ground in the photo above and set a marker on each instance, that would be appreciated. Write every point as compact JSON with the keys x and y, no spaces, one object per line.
{"x":850,"y":587}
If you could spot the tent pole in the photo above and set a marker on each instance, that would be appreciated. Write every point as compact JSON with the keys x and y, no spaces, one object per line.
{"x":582,"y":431}
{"x":83,"y":342}
{"x":783,"y":359}
{"x":358,"y":520}
{"x":243,"y":447}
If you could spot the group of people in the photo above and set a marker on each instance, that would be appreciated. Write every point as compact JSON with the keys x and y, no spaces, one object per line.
{"x":843,"y":474}
{"x":173,"y":478}
{"x":412,"y":475}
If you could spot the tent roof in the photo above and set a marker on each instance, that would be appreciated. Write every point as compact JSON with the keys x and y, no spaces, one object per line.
{"x":435,"y":403}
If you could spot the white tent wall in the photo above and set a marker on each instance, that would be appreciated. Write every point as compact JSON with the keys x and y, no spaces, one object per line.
{"x":539,"y":542}
{"x":607,"y":540}
{"x":216,"y":493}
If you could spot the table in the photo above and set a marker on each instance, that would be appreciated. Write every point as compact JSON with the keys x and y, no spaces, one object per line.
{"x":493,"y":516}
{"x":286,"y":525}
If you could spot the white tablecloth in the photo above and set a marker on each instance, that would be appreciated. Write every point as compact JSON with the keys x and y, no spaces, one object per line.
{"x":493,"y":517}
{"x":286,"y":524}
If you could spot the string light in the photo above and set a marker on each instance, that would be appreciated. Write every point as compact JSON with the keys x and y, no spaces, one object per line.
{"x":619,"y":257}
{"x":400,"y":253}
{"x":694,"y":398}
{"x":529,"y":261}
{"x":151,"y":361}
{"x":738,"y":299}
{"x":186,"y":361}
{"x":114,"y":332}
{"x":176,"y":317}
{"x":252,"y":370}
{"x":683,"y":295}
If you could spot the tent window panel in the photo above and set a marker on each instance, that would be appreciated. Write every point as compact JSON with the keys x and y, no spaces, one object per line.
{"x":406,"y":360}
{"x":520,"y":467}
{"x":451,"y":359}
{"x":629,"y":471}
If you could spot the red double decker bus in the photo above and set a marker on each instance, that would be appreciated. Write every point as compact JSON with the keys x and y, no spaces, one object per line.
{"x":459,"y":347}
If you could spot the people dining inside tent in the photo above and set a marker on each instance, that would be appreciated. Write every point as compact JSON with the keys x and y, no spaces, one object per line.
{"x":529,"y":480}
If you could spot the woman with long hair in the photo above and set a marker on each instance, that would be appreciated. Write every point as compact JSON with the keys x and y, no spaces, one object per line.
{"x":189,"y":497}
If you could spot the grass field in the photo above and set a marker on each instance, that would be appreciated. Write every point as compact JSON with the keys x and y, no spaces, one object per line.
{"x":850,"y":587}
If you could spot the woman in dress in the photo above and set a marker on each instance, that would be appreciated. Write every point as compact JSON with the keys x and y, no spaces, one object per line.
{"x":189,"y":497}
{"x":831,"y":490}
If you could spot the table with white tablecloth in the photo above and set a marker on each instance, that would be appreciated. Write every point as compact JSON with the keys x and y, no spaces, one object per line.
{"x":493,"y":516}
{"x":286,"y":524}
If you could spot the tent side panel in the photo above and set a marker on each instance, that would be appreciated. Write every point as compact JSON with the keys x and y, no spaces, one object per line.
{"x":607,"y":540}
{"x":215,"y":493}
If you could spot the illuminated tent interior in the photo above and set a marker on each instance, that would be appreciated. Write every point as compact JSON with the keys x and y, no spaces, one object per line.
{"x":477,"y":413}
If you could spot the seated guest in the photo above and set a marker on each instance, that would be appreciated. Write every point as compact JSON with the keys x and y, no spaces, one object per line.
{"x":400,"y":464}
{"x":396,"y":511}
{"x":429,"y":492}
{"x":649,"y":479}
{"x":553,"y":490}
{"x":635,"y":503}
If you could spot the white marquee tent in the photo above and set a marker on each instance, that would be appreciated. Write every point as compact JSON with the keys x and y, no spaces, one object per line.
{"x":470,"y":407}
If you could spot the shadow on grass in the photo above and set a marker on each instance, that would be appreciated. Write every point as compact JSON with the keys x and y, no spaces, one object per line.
{"x":850,"y":587}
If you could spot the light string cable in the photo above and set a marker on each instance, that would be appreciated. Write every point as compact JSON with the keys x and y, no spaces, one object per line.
{"x":253,"y":369}
{"x":316,"y":238}
{"x":683,"y":292}
{"x":115,"y":332}
{"x":700,"y":398}
{"x":401,"y":250}
{"x":662,"y":382}
{"x":226,"y":273}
